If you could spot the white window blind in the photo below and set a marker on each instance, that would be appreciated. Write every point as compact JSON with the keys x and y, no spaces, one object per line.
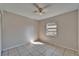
{"x":51,"y":29}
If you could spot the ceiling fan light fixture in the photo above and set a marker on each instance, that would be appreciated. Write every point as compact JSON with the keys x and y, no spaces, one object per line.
{"x":42,"y":13}
{"x":39,"y":13}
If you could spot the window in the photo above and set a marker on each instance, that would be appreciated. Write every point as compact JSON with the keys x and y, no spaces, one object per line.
{"x":51,"y":29}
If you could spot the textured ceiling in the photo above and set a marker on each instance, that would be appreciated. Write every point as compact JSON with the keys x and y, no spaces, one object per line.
{"x":27,"y":9}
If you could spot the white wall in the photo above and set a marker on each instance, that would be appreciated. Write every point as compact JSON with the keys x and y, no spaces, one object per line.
{"x":78,"y":30}
{"x":67,"y":30}
{"x":0,"y":33}
{"x":17,"y":30}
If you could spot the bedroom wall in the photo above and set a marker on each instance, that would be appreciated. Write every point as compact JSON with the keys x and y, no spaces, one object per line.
{"x":17,"y":30}
{"x":78,"y":31}
{"x":67,"y":30}
{"x":0,"y":33}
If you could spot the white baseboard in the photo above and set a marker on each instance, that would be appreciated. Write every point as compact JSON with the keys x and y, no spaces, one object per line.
{"x":62,"y":46}
{"x":66,"y":47}
{"x":13,"y":46}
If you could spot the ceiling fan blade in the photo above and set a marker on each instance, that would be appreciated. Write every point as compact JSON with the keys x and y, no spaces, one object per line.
{"x":46,"y":6}
{"x":36,"y":5}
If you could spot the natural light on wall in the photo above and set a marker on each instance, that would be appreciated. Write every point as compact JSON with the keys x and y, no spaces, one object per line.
{"x":30,"y":35}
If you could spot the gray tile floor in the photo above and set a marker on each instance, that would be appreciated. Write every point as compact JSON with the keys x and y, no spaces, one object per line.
{"x":38,"y":50}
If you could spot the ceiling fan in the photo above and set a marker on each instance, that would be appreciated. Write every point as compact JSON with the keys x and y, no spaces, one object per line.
{"x":40,"y":9}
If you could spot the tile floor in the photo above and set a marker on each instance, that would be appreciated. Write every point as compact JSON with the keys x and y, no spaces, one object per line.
{"x":38,"y":50}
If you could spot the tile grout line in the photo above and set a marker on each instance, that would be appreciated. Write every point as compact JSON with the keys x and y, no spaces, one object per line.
{"x":18,"y":52}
